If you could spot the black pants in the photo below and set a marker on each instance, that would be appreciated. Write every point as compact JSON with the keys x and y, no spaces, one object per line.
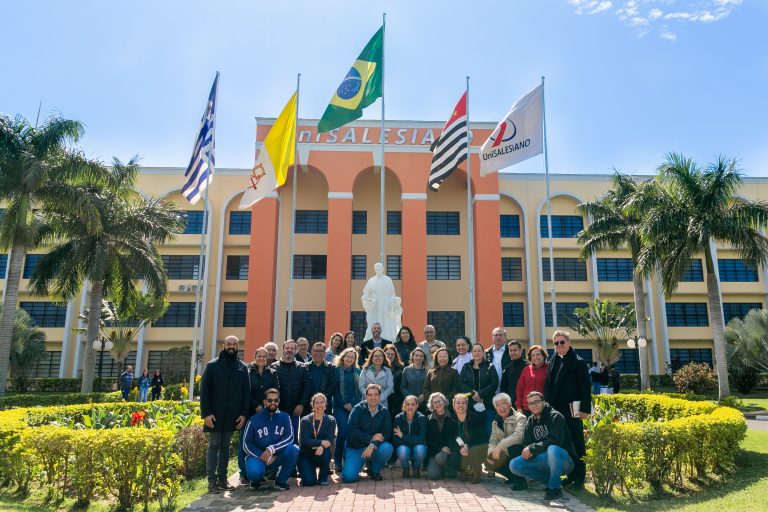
{"x":576,"y":428}
{"x":156,"y":393}
{"x":502,"y":465}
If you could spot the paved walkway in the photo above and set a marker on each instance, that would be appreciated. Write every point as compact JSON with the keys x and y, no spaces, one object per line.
{"x":390,"y":495}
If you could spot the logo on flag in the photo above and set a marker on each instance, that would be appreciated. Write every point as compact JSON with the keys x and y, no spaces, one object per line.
{"x":201,"y":166}
{"x":519,"y":136}
{"x":450,"y":149}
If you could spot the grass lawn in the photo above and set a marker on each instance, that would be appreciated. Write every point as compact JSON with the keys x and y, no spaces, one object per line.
{"x":755,"y":401}
{"x":744,"y":490}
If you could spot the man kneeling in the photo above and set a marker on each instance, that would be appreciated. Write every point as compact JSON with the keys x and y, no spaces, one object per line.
{"x":268,"y":443}
{"x":548,"y":451}
{"x":369,"y":427}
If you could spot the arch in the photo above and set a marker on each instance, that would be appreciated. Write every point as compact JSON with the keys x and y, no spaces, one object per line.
{"x":527,"y":253}
{"x":543,"y":202}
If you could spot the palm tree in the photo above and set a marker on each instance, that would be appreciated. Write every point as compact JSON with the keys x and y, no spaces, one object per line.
{"x":606,"y":325}
{"x":749,"y":340}
{"x":693,"y":209}
{"x":613,"y":226}
{"x":27,"y":348}
{"x":114,"y":254}
{"x":37,"y":168}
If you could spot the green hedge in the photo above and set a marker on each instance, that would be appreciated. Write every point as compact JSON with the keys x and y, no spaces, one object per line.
{"x":69,"y":385}
{"x":47,"y":400}
{"x":659,"y":440}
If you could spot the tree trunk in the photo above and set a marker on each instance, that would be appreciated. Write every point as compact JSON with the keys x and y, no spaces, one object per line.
{"x":94,"y":319}
{"x":642,"y":332}
{"x":716,"y":317}
{"x":9,"y":311}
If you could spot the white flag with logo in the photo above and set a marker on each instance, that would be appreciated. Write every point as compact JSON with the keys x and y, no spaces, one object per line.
{"x":519,"y":136}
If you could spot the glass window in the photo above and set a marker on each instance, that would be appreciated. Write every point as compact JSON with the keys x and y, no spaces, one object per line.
{"x":443,"y":267}
{"x":585,"y":354}
{"x":240,"y":223}
{"x":179,"y":314}
{"x":234,"y":314}
{"x":309,"y":266}
{"x":614,"y":269}
{"x":511,"y":269}
{"x":510,"y":226}
{"x":47,"y":367}
{"x":358,"y":324}
{"x":733,"y":310}
{"x":394,"y":223}
{"x":566,"y":269}
{"x":3,"y":265}
{"x":109,"y":366}
{"x":237,"y":267}
{"x":443,"y":223}
{"x":682,"y":356}
{"x":687,"y":314}
{"x":359,"y":222}
{"x":359,"y":266}
{"x":194,"y":222}
{"x":395,"y":267}
{"x":309,"y":324}
{"x":513,"y":314}
{"x":563,"y":226}
{"x":181,"y":267}
{"x":565,"y":311}
{"x":628,"y":362}
{"x":737,"y":271}
{"x":312,"y":221}
{"x":694,"y":273}
{"x":30,"y":262}
{"x":449,"y":325}
{"x":46,"y":314}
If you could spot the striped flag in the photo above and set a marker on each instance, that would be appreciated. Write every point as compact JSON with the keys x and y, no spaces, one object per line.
{"x":199,"y":173}
{"x":450,"y":149}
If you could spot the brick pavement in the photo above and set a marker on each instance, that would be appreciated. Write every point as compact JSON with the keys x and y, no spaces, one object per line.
{"x":390,"y":495}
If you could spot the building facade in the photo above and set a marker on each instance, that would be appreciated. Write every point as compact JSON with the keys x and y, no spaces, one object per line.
{"x":337,"y":232}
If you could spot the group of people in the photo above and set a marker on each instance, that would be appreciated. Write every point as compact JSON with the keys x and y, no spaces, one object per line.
{"x":602,"y":377}
{"x":347,"y":406}
{"x":144,"y":383}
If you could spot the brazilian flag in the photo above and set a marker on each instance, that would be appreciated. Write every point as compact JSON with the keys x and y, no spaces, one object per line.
{"x":360,"y":87}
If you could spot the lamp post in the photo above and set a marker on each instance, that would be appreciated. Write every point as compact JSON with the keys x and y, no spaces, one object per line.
{"x":101,"y":344}
{"x":636,"y":343}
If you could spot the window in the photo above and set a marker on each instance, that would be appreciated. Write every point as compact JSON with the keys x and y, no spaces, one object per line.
{"x":584,"y":353}
{"x":737,"y":271}
{"x":694,"y":273}
{"x":194,"y":222}
{"x":629,"y":361}
{"x":312,"y":221}
{"x":30,"y":262}
{"x":566,"y":269}
{"x":510,"y":226}
{"x":181,"y":267}
{"x":109,"y":366}
{"x":687,"y":314}
{"x":395,"y":267}
{"x":237,"y":267}
{"x":358,"y":324}
{"x":359,"y":266}
{"x":3,"y":265}
{"x":614,"y":269}
{"x":309,"y":266}
{"x":563,"y":226}
{"x":46,"y":314}
{"x":359,"y":222}
{"x":565,"y":314}
{"x":513,"y":314}
{"x":733,"y":310}
{"x":310,"y":324}
{"x":240,"y":223}
{"x":179,"y":314}
{"x":449,"y":325}
{"x":443,"y":267}
{"x":511,"y":269}
{"x":682,"y":356}
{"x":234,"y":314}
{"x":443,"y":223}
{"x":394,"y":223}
{"x":47,"y":366}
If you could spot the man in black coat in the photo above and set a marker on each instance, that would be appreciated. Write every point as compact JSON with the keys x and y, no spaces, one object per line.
{"x":513,"y":369}
{"x":568,"y":382}
{"x":294,"y":384}
{"x":375,"y":342}
{"x":225,"y":401}
{"x":323,"y":377}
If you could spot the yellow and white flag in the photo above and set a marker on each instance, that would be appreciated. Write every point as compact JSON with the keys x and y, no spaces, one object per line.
{"x":276,"y":155}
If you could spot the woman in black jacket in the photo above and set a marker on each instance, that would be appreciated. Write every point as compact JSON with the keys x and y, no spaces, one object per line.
{"x":409,"y":437}
{"x":262,"y":377}
{"x":317,"y":436}
{"x":442,"y":450}
{"x":474,"y":446}
{"x":157,"y":385}
{"x":479,"y":380}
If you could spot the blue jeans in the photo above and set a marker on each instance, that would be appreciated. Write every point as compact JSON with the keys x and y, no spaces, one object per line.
{"x":353,"y":461}
{"x":125,"y":392}
{"x":544,"y":467}
{"x":285,"y":460}
{"x":342,"y":418}
{"x":417,"y":454}
{"x":489,"y":415}
{"x":596,"y":388}
{"x":143,"y":392}
{"x":309,"y":465}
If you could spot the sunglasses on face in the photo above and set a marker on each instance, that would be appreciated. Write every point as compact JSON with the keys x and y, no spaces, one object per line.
{"x":558,"y":343}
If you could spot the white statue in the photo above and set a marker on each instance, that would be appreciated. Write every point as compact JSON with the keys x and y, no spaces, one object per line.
{"x":381,"y":305}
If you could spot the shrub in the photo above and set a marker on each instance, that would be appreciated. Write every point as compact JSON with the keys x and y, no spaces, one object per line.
{"x":695,"y":378}
{"x":662,"y":381}
{"x":191,"y":443}
{"x":32,"y":400}
{"x":745,"y":378}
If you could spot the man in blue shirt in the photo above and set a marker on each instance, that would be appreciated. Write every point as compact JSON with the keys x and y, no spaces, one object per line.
{"x":126,"y":381}
{"x":368,"y":430}
{"x":268,"y":443}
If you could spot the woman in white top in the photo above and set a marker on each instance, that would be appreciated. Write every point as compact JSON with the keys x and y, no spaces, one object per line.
{"x":463,"y":346}
{"x":376,"y":371}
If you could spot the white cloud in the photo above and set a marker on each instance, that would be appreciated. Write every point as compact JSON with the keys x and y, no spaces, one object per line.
{"x":645,"y":15}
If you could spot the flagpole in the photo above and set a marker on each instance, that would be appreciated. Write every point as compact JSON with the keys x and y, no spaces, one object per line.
{"x":382,"y":209}
{"x":470,"y":234}
{"x":289,"y":327}
{"x":549,"y":217}
{"x":196,"y":334}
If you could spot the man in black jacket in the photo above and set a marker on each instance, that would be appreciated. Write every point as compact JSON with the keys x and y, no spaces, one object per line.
{"x":294,"y":383}
{"x":547,"y":449}
{"x":376,"y":341}
{"x":513,"y":369}
{"x":225,"y":400}
{"x":323,"y":377}
{"x":568,"y":391}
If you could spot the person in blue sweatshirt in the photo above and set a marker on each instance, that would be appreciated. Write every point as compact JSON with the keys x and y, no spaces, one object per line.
{"x":369,"y":428}
{"x":317,"y":435}
{"x":269,"y":444}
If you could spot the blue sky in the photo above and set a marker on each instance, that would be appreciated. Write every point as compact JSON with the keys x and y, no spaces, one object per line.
{"x":627,"y":80}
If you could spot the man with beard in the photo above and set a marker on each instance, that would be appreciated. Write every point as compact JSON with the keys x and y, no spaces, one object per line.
{"x":513,"y":369}
{"x":268,"y":443}
{"x":376,"y":341}
{"x":224,"y":405}
{"x":293,"y":379}
{"x":323,"y":377}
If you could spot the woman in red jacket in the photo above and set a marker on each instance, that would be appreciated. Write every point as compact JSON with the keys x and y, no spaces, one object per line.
{"x":533,"y":378}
